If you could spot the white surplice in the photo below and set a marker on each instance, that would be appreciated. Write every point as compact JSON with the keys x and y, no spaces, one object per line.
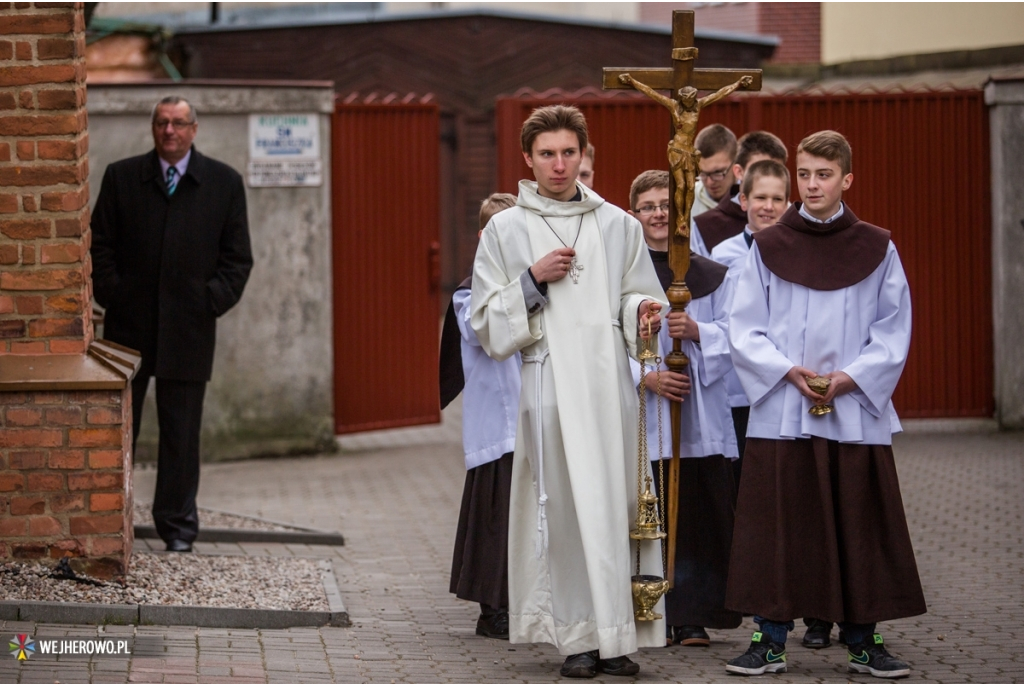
{"x":705,"y":420}
{"x":573,"y":484}
{"x":490,"y":406}
{"x":863,"y":329}
{"x":733,"y":252}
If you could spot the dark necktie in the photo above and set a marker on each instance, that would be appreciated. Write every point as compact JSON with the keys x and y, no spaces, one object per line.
{"x":749,"y":237}
{"x":172,"y":180}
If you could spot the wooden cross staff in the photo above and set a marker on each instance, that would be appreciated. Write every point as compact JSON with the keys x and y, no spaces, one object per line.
{"x":683,"y":81}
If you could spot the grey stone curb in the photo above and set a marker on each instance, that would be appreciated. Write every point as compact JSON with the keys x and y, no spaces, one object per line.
{"x":77,"y":612}
{"x":249,"y":535}
{"x":296,"y":535}
{"x":205,"y":617}
{"x":339,"y":614}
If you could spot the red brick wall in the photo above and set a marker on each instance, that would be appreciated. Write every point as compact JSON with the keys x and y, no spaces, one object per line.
{"x":741,"y":17}
{"x":65,"y":472}
{"x":44,"y":193}
{"x":798,"y":24}
{"x":63,"y":490}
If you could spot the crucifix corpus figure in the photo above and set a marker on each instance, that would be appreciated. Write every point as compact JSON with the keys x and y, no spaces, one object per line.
{"x":682,"y":156}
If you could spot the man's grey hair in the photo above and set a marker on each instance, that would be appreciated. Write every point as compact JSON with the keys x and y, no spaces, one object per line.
{"x":175,"y":100}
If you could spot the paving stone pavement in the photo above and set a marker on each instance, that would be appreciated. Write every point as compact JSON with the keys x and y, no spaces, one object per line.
{"x":398,"y":506}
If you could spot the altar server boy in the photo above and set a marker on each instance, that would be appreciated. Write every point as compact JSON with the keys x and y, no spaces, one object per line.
{"x":708,"y":443}
{"x":820,"y":527}
{"x":764,"y":196}
{"x":728,"y":218}
{"x":490,"y":410}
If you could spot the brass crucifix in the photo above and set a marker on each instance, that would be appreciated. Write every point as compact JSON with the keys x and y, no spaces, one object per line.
{"x":683,"y":81}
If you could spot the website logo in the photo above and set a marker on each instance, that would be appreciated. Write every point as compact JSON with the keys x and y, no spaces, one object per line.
{"x":22,"y":647}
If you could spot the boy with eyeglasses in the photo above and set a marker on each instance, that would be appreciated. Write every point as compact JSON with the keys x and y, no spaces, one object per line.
{"x":708,"y":443}
{"x":727,"y":219}
{"x":717,"y":147}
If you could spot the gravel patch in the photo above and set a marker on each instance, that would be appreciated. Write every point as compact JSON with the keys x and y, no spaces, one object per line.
{"x":181,"y":579}
{"x":143,"y":516}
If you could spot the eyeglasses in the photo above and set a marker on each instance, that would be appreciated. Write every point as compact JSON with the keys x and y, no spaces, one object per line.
{"x":651,"y":209}
{"x":178,"y":124}
{"x":714,"y":175}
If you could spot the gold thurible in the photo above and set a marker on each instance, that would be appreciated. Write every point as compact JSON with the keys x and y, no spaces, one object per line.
{"x":647,"y":589}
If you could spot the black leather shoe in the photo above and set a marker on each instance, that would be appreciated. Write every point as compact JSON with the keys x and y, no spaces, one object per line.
{"x":619,"y":665}
{"x":818,"y":635}
{"x":690,"y":636}
{"x":179,"y":546}
{"x":580,"y":665}
{"x":493,"y":625}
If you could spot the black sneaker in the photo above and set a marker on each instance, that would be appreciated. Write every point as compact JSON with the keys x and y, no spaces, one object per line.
{"x":763,"y":656}
{"x":871,"y":657}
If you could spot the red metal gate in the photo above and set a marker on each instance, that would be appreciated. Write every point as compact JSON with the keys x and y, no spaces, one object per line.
{"x":921,"y":169}
{"x":386,"y":253}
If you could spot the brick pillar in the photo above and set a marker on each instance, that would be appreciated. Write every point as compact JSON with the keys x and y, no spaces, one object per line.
{"x":65,"y":404}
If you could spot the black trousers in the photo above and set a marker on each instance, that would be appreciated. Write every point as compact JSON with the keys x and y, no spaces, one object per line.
{"x":179,"y":407}
{"x":740,"y":418}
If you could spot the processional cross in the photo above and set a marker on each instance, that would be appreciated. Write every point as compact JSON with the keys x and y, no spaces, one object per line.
{"x":683,"y":81}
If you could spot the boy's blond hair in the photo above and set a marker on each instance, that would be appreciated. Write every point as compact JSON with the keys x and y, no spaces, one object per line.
{"x":765,"y":167}
{"x":830,"y":145}
{"x":648,"y":180}
{"x":495,"y":203}
{"x":553,"y":118}
{"x":589,"y":152}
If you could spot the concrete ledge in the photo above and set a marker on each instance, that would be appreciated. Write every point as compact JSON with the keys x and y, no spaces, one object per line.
{"x":8,"y":610}
{"x":225,"y":617}
{"x":339,"y":615}
{"x":174,"y":615}
{"x":75,"y":612}
{"x":917,"y":426}
{"x":299,"y":537}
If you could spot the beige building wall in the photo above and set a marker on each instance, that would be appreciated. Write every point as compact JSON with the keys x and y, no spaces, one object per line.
{"x":876,"y":30}
{"x":617,"y":12}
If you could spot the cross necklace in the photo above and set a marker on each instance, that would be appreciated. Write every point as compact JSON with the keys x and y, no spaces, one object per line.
{"x":574,"y":266}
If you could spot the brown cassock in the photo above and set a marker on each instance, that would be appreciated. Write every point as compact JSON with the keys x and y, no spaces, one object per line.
{"x":721,"y":222}
{"x":821,"y":531}
{"x":820,"y":527}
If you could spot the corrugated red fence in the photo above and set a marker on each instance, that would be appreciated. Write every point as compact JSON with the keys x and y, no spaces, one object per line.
{"x":921,"y":169}
{"x":386,"y":251}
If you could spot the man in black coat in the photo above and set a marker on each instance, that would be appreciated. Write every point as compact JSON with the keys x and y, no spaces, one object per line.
{"x":170,"y":253}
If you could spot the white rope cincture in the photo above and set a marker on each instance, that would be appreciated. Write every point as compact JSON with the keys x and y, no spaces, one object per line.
{"x":538,"y":449}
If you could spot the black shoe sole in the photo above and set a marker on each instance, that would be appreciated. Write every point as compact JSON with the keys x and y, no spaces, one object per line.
{"x":578,"y":673}
{"x":631,"y":669}
{"x":696,"y":642}
{"x":821,"y":645}
{"x":483,"y":632}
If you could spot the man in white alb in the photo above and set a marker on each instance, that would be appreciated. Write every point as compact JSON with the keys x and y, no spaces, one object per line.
{"x":565,"y":279}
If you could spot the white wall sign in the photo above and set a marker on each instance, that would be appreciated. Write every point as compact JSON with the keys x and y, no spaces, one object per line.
{"x":284,"y":150}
